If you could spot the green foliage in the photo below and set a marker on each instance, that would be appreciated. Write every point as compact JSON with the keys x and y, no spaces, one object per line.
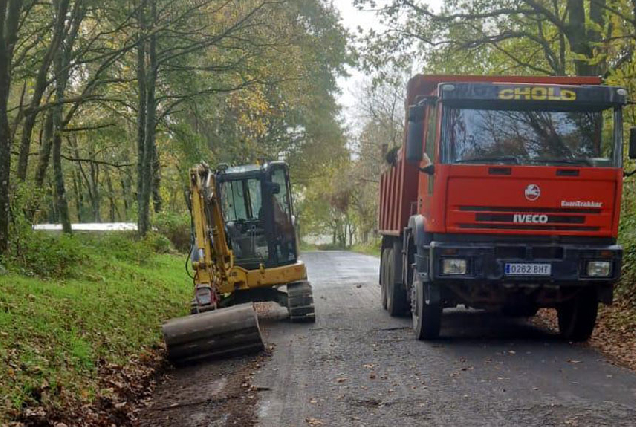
{"x":157,"y":243}
{"x":627,"y":238}
{"x":47,"y":255}
{"x":176,"y":227}
{"x":38,"y":253}
{"x":496,"y":37}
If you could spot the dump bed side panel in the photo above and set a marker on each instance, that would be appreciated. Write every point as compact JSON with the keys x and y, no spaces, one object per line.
{"x":398,"y":193}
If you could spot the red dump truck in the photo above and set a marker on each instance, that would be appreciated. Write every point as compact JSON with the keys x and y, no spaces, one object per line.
{"x":504,"y":196}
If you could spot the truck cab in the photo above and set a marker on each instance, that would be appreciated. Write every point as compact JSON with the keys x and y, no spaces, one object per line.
{"x":505,"y":196}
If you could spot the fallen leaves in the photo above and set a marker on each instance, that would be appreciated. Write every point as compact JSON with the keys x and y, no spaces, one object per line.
{"x":614,"y":333}
{"x":121,"y":389}
{"x":314,"y":421}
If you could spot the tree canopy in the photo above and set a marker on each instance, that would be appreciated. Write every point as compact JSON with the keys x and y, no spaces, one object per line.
{"x":105,"y":105}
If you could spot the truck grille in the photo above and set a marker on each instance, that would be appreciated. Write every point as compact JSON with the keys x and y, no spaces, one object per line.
{"x":524,"y":218}
{"x":529,"y":210}
{"x":527,"y":227}
{"x":488,"y":217}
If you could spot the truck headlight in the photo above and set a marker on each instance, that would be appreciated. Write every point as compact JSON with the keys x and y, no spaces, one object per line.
{"x":599,"y":268}
{"x":453,"y":266}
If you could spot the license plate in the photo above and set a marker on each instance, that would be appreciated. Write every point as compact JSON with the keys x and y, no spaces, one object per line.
{"x":520,"y":269}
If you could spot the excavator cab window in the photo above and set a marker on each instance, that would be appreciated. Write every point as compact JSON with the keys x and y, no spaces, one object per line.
{"x":241,"y":205}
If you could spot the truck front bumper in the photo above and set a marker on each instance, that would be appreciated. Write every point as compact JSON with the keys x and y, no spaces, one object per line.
{"x":485,"y":264}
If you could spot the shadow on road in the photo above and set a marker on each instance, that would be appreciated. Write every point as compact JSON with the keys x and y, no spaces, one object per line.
{"x":472,"y":325}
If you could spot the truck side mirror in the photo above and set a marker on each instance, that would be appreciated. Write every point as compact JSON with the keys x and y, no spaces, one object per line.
{"x":428,"y":170}
{"x":632,"y":143}
{"x":415,"y":135}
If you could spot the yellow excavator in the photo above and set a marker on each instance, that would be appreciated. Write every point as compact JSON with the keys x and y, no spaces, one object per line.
{"x":244,"y":250}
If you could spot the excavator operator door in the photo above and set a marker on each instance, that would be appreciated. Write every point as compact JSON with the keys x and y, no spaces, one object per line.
{"x":278,"y":192}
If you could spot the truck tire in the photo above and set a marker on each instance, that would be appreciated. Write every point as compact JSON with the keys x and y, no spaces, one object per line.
{"x":383,"y":280}
{"x":427,"y":315}
{"x":577,"y":317}
{"x":396,"y":295}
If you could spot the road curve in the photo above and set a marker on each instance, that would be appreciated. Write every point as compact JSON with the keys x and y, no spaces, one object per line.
{"x":359,"y":367}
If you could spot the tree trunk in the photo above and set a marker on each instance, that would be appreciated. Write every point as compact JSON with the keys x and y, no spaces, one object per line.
{"x":77,"y":188}
{"x":58,"y":175}
{"x":45,"y":151}
{"x":94,"y":184}
{"x":127,"y":187}
{"x":60,"y":68}
{"x":156,"y":177}
{"x":52,"y":211}
{"x":580,"y":39}
{"x":150,"y":125}
{"x":112,"y":210}
{"x":5,"y":153}
{"x":40,"y":86}
{"x":141,"y":118}
{"x":10,"y":11}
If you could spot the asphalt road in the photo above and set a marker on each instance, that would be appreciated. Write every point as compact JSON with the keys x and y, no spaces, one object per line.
{"x":359,"y":367}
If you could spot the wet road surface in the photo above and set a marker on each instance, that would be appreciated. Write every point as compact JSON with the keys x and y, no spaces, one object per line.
{"x":359,"y":367}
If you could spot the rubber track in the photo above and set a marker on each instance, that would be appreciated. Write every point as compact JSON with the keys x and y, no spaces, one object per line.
{"x":300,"y":303}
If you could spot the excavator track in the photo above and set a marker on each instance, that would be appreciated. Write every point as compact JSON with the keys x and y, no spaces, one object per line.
{"x":300,"y":302}
{"x":220,"y":333}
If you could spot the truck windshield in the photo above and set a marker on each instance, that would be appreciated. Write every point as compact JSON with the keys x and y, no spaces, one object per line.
{"x":530,"y":137}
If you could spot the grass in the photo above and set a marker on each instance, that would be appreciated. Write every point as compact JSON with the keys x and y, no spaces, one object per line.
{"x":54,"y":332}
{"x":368,"y":249}
{"x":307,"y":247}
{"x":372,"y":248}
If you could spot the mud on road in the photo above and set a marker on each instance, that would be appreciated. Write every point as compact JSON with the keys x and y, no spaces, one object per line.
{"x":359,"y":367}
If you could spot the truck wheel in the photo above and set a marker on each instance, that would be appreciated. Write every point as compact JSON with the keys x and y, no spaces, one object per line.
{"x":427,"y":316}
{"x":577,"y":316}
{"x":383,"y":270}
{"x":395,"y":294}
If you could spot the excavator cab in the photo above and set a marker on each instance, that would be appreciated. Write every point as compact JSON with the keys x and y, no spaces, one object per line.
{"x":257,"y":209}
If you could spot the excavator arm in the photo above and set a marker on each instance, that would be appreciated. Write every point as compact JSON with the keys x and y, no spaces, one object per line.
{"x":212,"y":257}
